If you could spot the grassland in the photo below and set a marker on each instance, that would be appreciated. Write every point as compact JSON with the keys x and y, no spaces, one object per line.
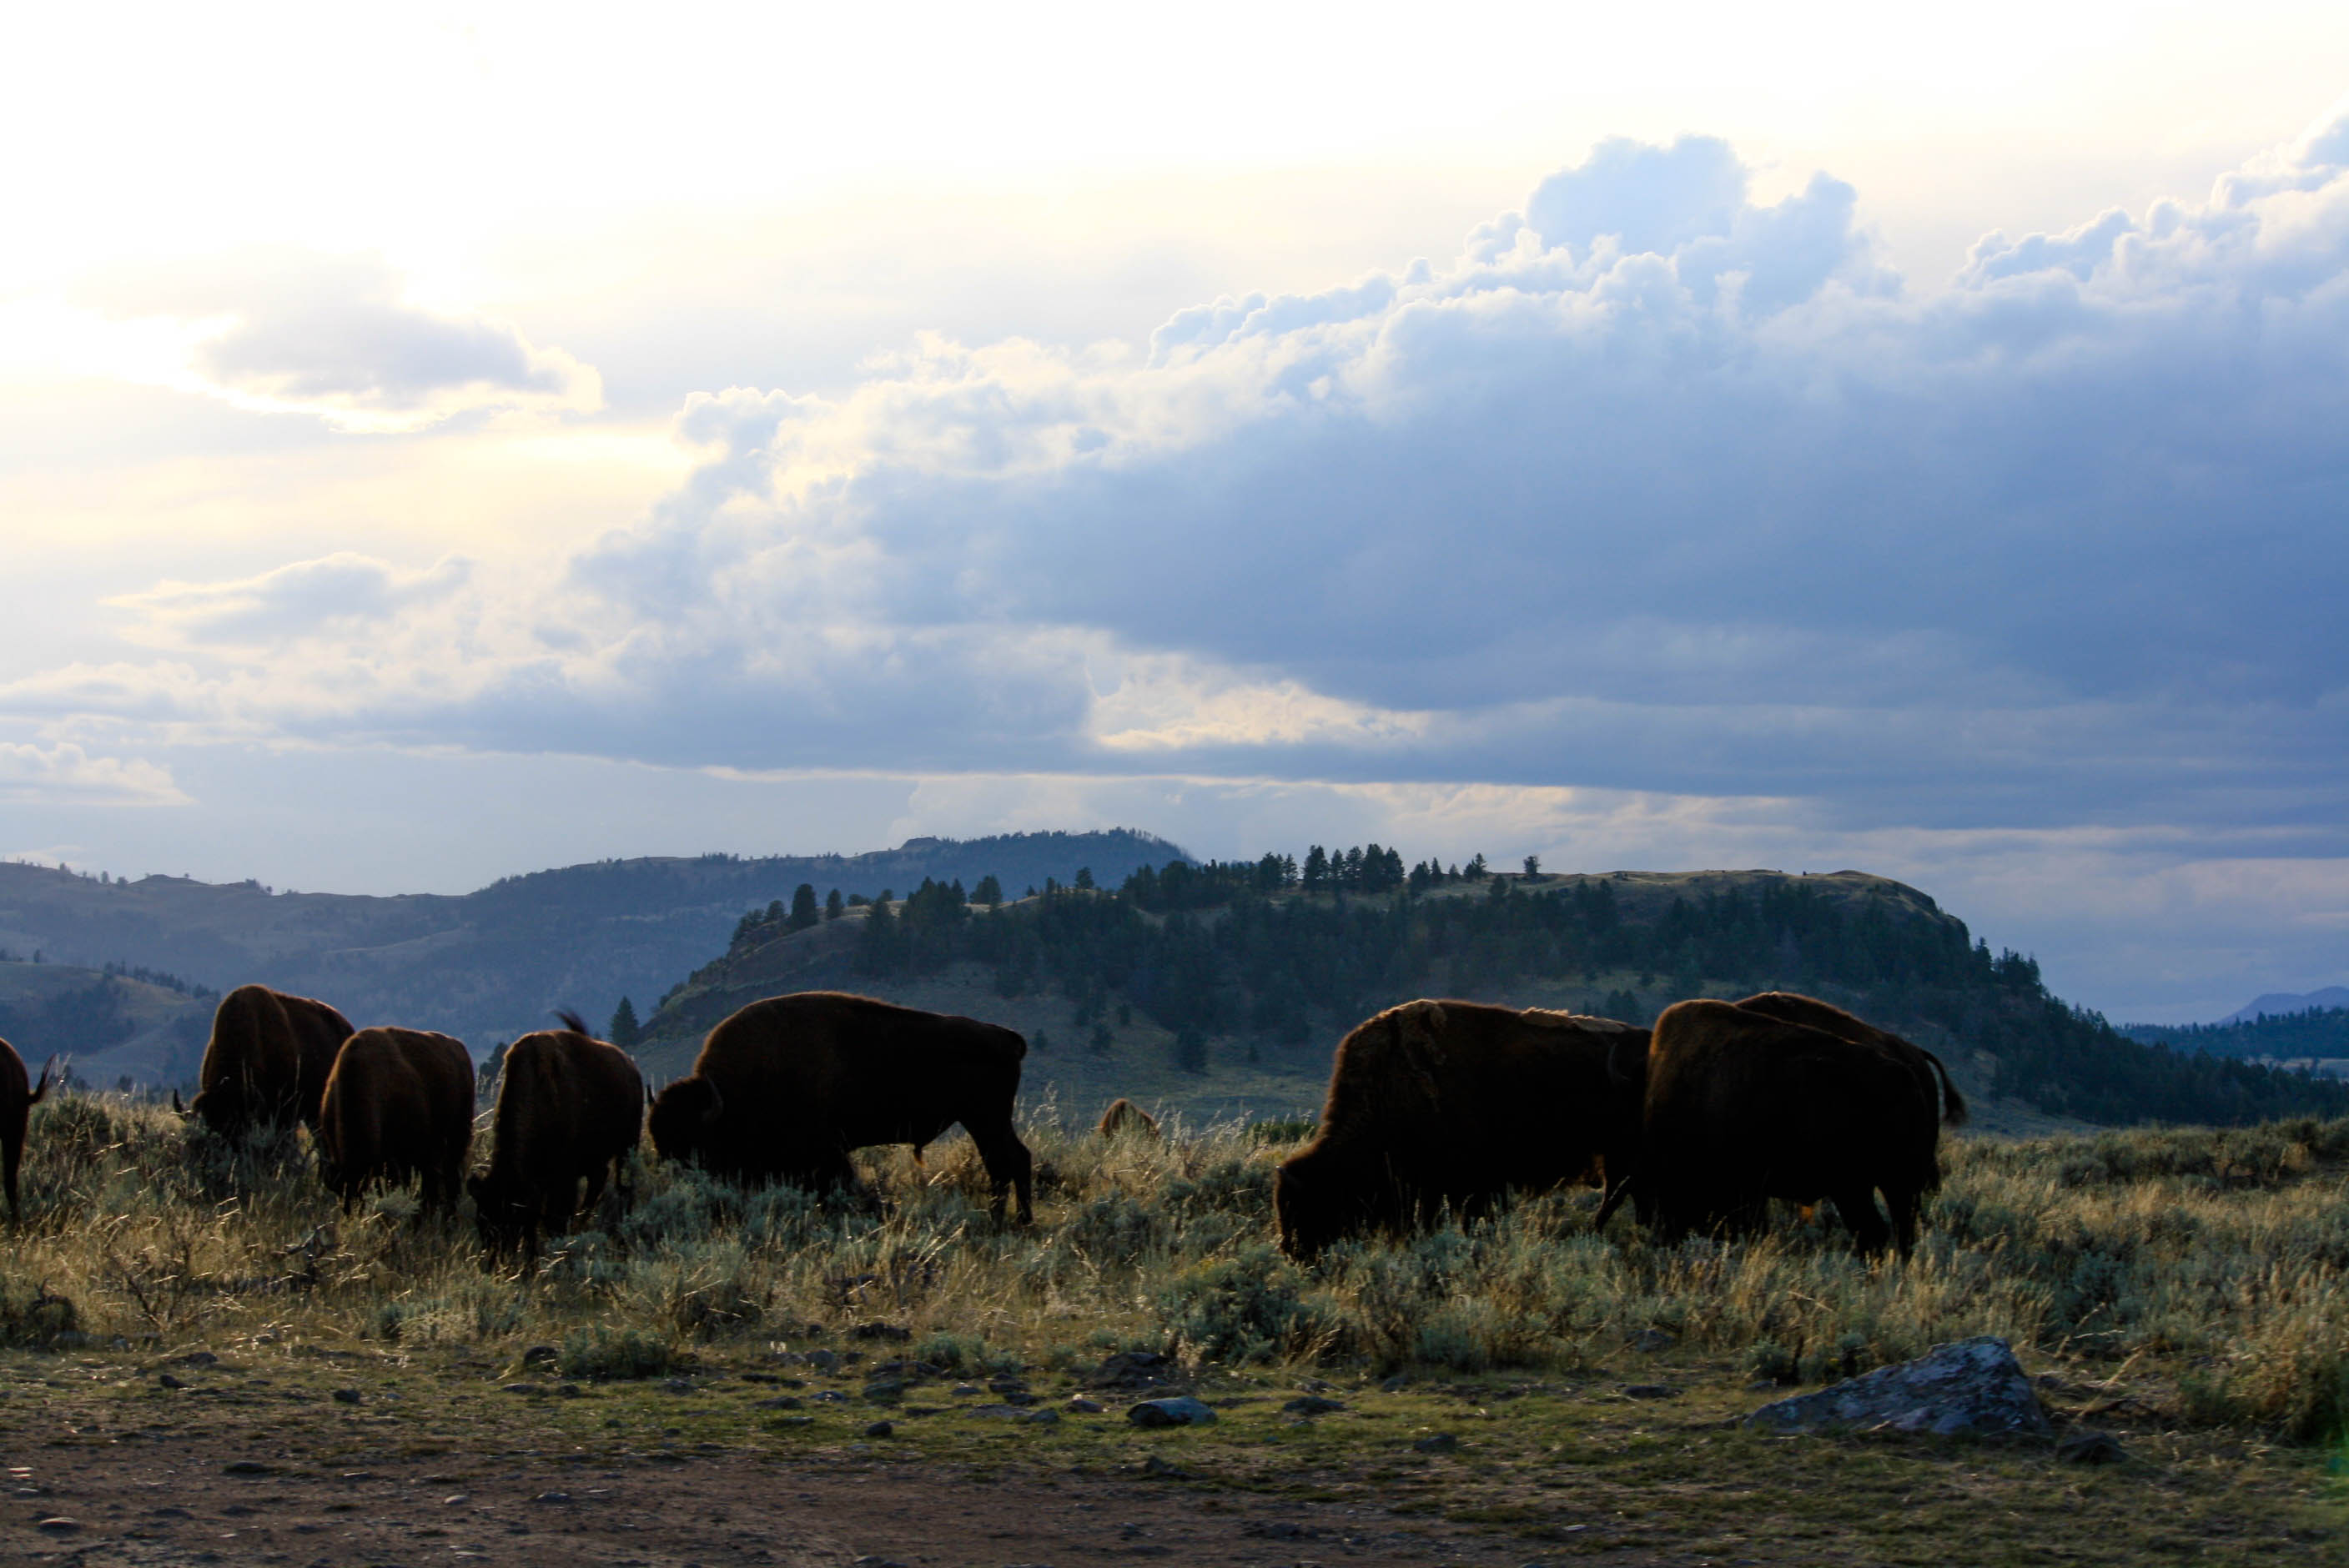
{"x":2182,"y":1288}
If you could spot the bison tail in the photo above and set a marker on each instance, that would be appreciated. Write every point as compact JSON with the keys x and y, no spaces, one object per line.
{"x":41,"y":1089}
{"x":573,"y":1022}
{"x":1953,"y":1104}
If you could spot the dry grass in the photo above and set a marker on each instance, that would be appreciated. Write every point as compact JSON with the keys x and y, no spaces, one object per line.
{"x":2202,"y":1272}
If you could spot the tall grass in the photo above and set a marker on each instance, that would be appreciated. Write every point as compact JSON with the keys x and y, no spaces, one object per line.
{"x":2214,"y":1263}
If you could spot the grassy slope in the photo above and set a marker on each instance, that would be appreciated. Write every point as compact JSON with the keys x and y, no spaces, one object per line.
{"x":168,"y":1031}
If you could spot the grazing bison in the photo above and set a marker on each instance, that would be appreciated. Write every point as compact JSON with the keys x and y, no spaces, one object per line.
{"x":1124,"y":1118}
{"x":570,"y":1108}
{"x":786,"y":1087}
{"x":16,"y":1103}
{"x":267,"y":1061}
{"x":1456,"y":1102}
{"x":1743,"y":1106}
{"x":400,"y":1103}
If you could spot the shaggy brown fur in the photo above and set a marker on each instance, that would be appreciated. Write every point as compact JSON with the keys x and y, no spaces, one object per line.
{"x":267,"y":1061}
{"x":570,"y":1108}
{"x":1455,"y":1102}
{"x":785,"y":1088}
{"x":1743,"y":1107}
{"x":1124,"y":1118}
{"x":16,"y":1103}
{"x":1796,"y":1008}
{"x":398,"y":1104}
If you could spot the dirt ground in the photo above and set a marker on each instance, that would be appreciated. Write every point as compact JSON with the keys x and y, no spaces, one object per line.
{"x":724,"y":1510}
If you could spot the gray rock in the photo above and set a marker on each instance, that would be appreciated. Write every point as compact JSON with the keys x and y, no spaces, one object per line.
{"x":2090,"y":1447}
{"x":1650,"y":1391}
{"x":166,"y":1380}
{"x":995,"y":1412}
{"x":59,"y":1524}
{"x":1396,"y":1384}
{"x":347,"y":1395}
{"x":881,"y":1429}
{"x":1973,"y":1387}
{"x":1079,"y":1405}
{"x":780,"y":1402}
{"x":1312,"y":1405}
{"x":1039,"y":1418}
{"x":1179,"y":1411}
{"x":1440,"y":1443}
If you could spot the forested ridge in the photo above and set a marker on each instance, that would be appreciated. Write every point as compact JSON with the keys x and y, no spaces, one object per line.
{"x":2314,"y":1032}
{"x":1281,"y":956}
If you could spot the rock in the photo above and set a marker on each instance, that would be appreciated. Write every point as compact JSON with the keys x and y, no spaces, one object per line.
{"x":59,"y":1524}
{"x":1081,"y":1405}
{"x":966,"y":1390}
{"x":1154,"y":1466}
{"x":677,"y":1385}
{"x":199,"y":1358}
{"x":457,"y":1500}
{"x":567,"y":1390}
{"x":1973,"y":1386}
{"x":881,"y":1429}
{"x":823,"y":1360}
{"x":995,"y":1412}
{"x":830,"y":1397}
{"x":2090,"y":1447}
{"x":1395,"y":1385}
{"x":247,"y":1467}
{"x":347,"y":1395}
{"x":1650,"y":1391}
{"x":1439,"y":1443}
{"x":168,"y":1381}
{"x":522,"y":1388}
{"x":793,"y":1422}
{"x":1652,"y":1341}
{"x":1039,"y":1418}
{"x":1180,"y":1411}
{"x":780,"y":1402}
{"x":1312,"y":1405}
{"x":551,"y":1497}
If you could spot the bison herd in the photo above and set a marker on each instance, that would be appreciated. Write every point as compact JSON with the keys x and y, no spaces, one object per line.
{"x":1432,"y":1107}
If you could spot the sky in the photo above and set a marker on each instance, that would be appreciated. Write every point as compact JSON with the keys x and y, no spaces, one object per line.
{"x":437,"y":444}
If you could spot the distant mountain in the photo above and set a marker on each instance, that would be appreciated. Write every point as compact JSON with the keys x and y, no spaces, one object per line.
{"x":2276,"y":1003}
{"x":488,"y":966}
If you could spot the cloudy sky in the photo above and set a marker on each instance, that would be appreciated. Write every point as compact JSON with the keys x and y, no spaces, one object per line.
{"x":440,"y":445}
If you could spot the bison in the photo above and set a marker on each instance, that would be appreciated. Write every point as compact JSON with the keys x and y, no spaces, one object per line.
{"x":570,"y":1108}
{"x":1741,"y":1106}
{"x":267,"y":1061}
{"x":1932,"y":1076}
{"x":400,"y":1103}
{"x":785,"y":1088}
{"x":1437,"y":1102}
{"x":16,"y":1103}
{"x":1124,"y":1118}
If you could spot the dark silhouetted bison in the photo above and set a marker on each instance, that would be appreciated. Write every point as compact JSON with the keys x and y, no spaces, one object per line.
{"x":1455,"y":1102}
{"x":16,"y":1103}
{"x":1743,"y":1106}
{"x":267,"y":1061}
{"x":785,"y":1088}
{"x":1124,"y":1118}
{"x":400,"y":1103}
{"x":570,"y":1108}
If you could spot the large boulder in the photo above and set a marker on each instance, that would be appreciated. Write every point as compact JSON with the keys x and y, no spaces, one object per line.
{"x":1973,"y":1387}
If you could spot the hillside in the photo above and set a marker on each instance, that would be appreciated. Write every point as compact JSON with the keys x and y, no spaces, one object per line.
{"x":2315,"y":1037}
{"x":150,"y":1030}
{"x":490,"y":965}
{"x":1218,"y":988}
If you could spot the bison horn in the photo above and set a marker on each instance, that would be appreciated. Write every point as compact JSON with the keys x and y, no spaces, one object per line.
{"x":177,"y":1109}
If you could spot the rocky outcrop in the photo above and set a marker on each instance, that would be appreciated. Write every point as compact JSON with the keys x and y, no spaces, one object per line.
{"x":1974,"y":1387}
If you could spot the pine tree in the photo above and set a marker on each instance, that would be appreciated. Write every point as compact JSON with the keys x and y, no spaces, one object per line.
{"x":804,"y":911}
{"x":989,"y":891}
{"x":624,"y":1031}
{"x":833,"y":905}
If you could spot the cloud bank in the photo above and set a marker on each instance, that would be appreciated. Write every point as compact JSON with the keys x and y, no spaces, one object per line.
{"x":1651,"y":488}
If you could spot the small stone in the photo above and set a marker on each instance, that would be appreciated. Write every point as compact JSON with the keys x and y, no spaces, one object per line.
{"x":1439,"y":1443}
{"x":1312,"y":1405}
{"x":567,"y":1390}
{"x":347,"y":1395}
{"x":523,"y":1387}
{"x":59,"y":1524}
{"x":794,"y":1421}
{"x":551,"y":1497}
{"x":1079,"y":1405}
{"x":823,"y":1360}
{"x":199,"y":1358}
{"x":1039,"y":1418}
{"x":247,"y":1467}
{"x":966,"y":1390}
{"x":457,"y":1500}
{"x":1179,"y":1411}
{"x":1650,"y":1391}
{"x":2090,"y":1447}
{"x":166,"y":1380}
{"x":1395,"y":1385}
{"x":830,"y":1396}
{"x":677,"y":1385}
{"x":881,"y":1429}
{"x":537,"y":1354}
{"x":780,"y":1402}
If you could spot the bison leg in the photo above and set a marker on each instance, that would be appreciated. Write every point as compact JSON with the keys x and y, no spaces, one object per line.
{"x":1904,"y":1203}
{"x":12,"y":1154}
{"x":1856,"y":1205}
{"x":1008,"y":1165}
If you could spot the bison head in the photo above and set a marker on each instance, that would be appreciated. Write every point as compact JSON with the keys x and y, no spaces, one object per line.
{"x":682,"y":1115}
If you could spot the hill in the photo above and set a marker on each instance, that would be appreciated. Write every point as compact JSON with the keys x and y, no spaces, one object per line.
{"x":489,"y":965}
{"x":1224,"y":987}
{"x":147,"y":1028}
{"x":2279,"y":1004}
{"x":2316,"y":1037}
